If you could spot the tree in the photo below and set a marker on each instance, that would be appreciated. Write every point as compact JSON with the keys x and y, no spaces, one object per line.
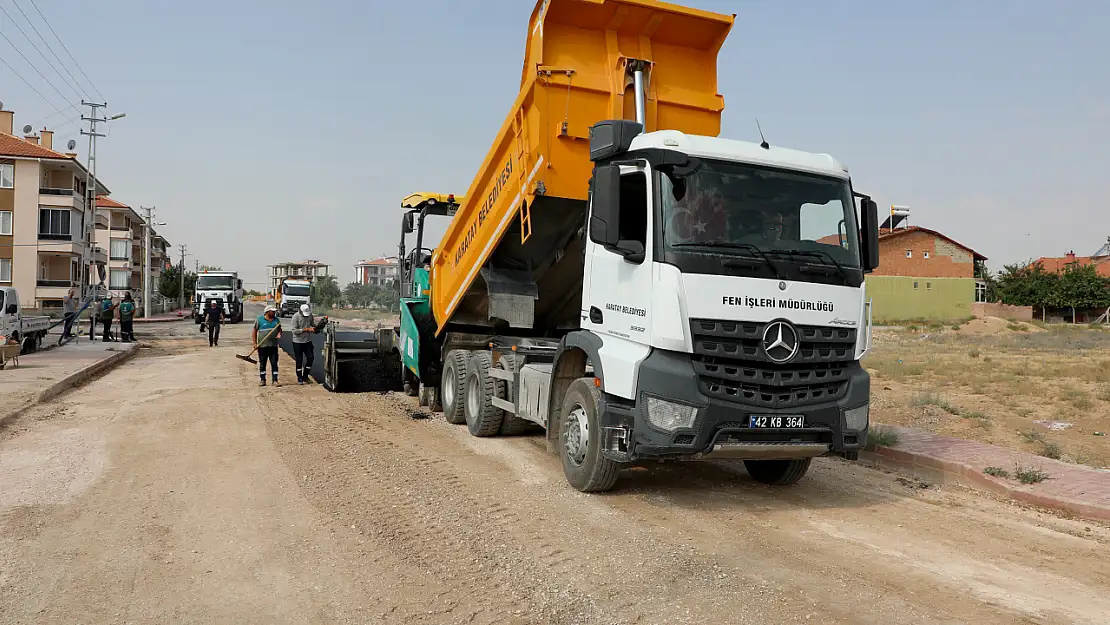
{"x":169,"y":283}
{"x":989,"y":279}
{"x":325,"y":292}
{"x":1081,"y":287}
{"x":1026,"y":284}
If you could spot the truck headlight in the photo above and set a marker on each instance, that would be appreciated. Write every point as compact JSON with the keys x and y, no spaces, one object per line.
{"x":855,"y":419}
{"x":669,"y":416}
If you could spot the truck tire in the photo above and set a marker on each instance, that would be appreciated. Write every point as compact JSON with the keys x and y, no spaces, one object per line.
{"x":482,"y":417}
{"x":777,"y":472}
{"x":584,"y":466}
{"x":453,"y":385}
{"x":511,"y":425}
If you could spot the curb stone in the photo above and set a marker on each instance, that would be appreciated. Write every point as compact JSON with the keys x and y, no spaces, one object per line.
{"x":71,"y":381}
{"x":953,"y":472}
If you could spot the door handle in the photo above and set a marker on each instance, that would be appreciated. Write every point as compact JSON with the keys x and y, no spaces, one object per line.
{"x":595,"y":315}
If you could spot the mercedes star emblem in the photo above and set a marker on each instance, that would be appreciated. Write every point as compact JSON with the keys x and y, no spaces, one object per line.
{"x":780,"y":341}
{"x":782,"y":286}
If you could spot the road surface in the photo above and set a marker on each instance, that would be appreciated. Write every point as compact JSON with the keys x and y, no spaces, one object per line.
{"x":174,"y":488}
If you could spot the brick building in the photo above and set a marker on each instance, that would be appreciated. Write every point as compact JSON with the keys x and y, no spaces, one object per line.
{"x":922,"y":274}
{"x":378,"y":272}
{"x":1057,"y":264}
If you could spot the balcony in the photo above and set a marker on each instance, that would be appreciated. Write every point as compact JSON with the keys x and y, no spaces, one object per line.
{"x":99,"y":255}
{"x":101,"y":221}
{"x":60,"y":244}
{"x":65,"y":198}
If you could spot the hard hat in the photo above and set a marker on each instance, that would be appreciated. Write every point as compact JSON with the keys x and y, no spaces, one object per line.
{"x":270,"y":308}
{"x":305,"y":309}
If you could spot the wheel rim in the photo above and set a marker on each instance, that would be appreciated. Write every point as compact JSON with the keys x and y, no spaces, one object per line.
{"x":473,"y":396}
{"x":449,"y":387}
{"x":577,"y":438}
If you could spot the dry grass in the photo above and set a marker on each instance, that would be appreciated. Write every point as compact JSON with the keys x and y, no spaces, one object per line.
{"x":991,"y":382}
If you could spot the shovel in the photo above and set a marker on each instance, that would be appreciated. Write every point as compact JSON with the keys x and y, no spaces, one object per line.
{"x":264,"y":339}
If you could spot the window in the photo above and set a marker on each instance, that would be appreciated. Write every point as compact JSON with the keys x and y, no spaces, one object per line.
{"x":5,"y":270}
{"x":925,"y":254}
{"x":54,"y":224}
{"x":980,"y":291}
{"x":7,"y":176}
{"x":915,"y":285}
{"x":909,"y":253}
{"x":5,"y":222}
{"x":120,"y":279}
{"x":928,"y":286}
{"x":121,"y":249}
{"x":633,"y":218}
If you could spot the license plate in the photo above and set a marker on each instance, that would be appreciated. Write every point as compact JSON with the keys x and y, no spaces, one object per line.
{"x":776,"y":421}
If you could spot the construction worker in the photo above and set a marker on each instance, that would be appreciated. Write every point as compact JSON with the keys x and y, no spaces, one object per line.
{"x":303,"y":349}
{"x":267,"y":329}
{"x":213,"y":317}
{"x":127,"y":318}
{"x":69,"y":311}
{"x":107,"y":312}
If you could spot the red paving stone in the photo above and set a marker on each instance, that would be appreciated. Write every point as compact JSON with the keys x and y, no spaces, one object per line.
{"x":1078,"y":489}
{"x":173,"y":316}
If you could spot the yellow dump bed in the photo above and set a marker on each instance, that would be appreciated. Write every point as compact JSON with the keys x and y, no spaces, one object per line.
{"x":528,"y":198}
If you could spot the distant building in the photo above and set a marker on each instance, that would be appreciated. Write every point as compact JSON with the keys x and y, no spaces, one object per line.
{"x":923,"y":274}
{"x":378,"y":272}
{"x":301,"y":270}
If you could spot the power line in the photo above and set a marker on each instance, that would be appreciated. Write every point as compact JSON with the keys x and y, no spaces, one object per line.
{"x":77,"y":89}
{"x":32,"y":87}
{"x":70,"y":54}
{"x":20,"y":53}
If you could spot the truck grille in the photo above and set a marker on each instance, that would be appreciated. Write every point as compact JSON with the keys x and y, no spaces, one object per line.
{"x":731,"y":365}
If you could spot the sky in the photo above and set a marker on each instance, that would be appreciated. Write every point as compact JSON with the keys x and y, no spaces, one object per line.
{"x":279,"y":130}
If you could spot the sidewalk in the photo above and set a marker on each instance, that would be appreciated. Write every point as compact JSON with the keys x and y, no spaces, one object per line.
{"x":43,"y":375}
{"x":1077,"y":489}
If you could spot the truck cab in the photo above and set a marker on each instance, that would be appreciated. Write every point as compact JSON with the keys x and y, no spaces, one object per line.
{"x":224,"y":287}
{"x":292,"y":295}
{"x":28,"y":331}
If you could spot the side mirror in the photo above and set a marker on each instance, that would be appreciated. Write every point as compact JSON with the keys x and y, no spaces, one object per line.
{"x":605,"y":204}
{"x":239,"y":284}
{"x":12,"y":309}
{"x":407,"y":225}
{"x":869,"y":234}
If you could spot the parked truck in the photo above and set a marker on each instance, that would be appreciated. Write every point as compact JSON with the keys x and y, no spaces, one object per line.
{"x":639,"y":288}
{"x":291,"y":294}
{"x":27,"y":330}
{"x":226,"y":288}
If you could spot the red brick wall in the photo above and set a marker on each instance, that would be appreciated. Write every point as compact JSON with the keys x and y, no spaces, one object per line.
{"x":945,"y":259}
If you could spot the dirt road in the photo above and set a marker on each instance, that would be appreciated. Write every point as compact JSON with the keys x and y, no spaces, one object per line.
{"x":175,"y":489}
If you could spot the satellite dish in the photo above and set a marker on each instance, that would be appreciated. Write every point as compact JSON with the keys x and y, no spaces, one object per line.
{"x":1,"y":105}
{"x":72,"y":144}
{"x":27,"y":129}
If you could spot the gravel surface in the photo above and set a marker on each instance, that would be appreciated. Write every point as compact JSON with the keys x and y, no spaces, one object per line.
{"x":176,"y":489}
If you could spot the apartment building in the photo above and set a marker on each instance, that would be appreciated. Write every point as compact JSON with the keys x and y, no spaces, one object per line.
{"x":47,"y":242}
{"x":381,"y":271}
{"x":124,"y":240}
{"x":301,"y":270}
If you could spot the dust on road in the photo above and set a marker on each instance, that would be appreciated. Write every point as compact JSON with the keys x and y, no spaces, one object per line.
{"x":174,"y":488}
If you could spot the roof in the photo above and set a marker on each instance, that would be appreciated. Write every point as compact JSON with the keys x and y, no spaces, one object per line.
{"x":885,"y":236}
{"x":1057,"y":264}
{"x":389,"y":260}
{"x":11,"y":145}
{"x":742,"y":151}
{"x":416,"y":200}
{"x":103,"y":201}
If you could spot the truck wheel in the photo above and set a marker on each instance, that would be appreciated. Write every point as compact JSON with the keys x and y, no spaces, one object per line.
{"x":482,"y":417}
{"x":585,"y":468}
{"x":451,"y":388}
{"x":511,"y":425}
{"x":777,"y":472}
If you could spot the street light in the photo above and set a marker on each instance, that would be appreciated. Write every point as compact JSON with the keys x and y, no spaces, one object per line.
{"x":117,"y":116}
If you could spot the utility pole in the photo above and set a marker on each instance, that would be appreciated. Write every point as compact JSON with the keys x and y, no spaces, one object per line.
{"x":90,"y":184}
{"x":148,"y":215}
{"x":181,"y":293}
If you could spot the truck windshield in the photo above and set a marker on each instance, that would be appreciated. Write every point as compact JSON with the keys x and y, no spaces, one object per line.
{"x":738,"y":209}
{"x":296,"y":290}
{"x":214,"y":283}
